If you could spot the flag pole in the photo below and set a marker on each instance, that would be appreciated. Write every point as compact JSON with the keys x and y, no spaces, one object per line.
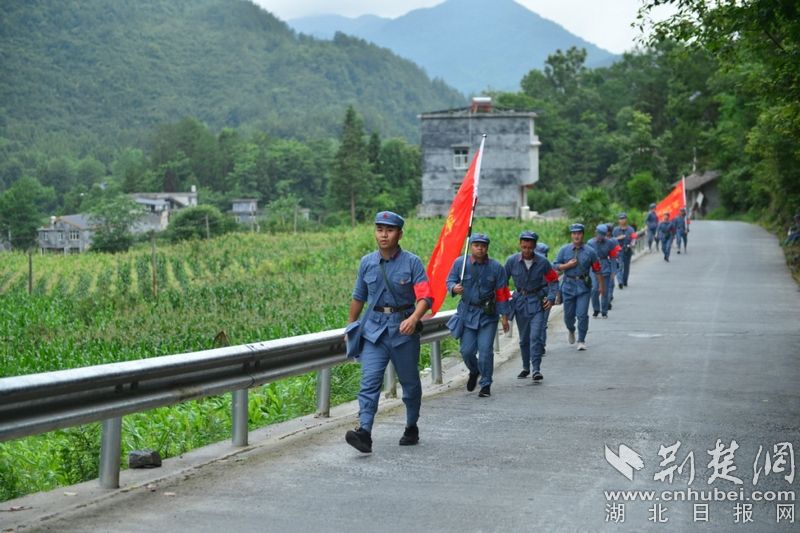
{"x":474,"y":204}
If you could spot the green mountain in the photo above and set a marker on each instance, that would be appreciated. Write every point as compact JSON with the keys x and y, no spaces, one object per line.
{"x":108,"y":72}
{"x":470,"y":44}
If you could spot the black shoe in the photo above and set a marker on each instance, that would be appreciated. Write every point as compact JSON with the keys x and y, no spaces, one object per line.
{"x":410,"y":436}
{"x":360,"y":439}
{"x":524,"y":374}
{"x":679,"y":252}
{"x":485,"y":391}
{"x":666,"y":259}
{"x":472,"y":381}
{"x":621,"y":285}
{"x":595,"y":314}
{"x":537,"y":376}
{"x":609,"y":306}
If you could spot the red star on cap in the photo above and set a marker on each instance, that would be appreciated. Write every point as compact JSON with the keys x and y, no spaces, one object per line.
{"x":386,"y":215}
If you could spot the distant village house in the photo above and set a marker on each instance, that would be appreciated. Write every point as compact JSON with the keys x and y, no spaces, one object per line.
{"x":510,"y":163}
{"x":68,"y":234}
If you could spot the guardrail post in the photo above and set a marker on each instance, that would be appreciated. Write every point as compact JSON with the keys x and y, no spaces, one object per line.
{"x":497,"y":340}
{"x":324,"y":393}
{"x":389,"y":381}
{"x":239,"y":415}
{"x":110,"y":448}
{"x":436,"y":362}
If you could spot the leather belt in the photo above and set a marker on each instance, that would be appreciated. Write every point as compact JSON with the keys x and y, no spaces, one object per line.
{"x":390,"y":310}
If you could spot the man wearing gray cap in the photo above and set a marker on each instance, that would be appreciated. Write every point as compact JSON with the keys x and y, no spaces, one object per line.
{"x":681,"y":230}
{"x":607,"y":251}
{"x":666,"y":231}
{"x":626,"y":238}
{"x":484,"y":295}
{"x":535,"y":286}
{"x":393,"y":284}
{"x":575,"y":260}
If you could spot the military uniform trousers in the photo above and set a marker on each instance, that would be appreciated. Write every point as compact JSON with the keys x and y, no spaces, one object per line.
{"x":374,"y":359}
{"x":600,"y":303}
{"x":531,"y":324}
{"x":666,"y":244}
{"x":477,"y":350}
{"x":575,"y":296}
{"x":681,"y":236}
{"x":624,"y":270}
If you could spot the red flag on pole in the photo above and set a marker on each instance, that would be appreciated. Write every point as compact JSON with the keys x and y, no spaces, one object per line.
{"x":673,"y":202}
{"x":455,"y":230}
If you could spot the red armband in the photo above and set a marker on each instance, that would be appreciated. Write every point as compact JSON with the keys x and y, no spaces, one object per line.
{"x":615,"y":252}
{"x":633,"y":236}
{"x":422,"y":290}
{"x":551,"y":276}
{"x":502,"y":294}
{"x":596,"y":266}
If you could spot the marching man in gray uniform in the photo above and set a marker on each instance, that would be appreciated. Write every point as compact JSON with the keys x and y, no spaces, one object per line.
{"x":484,"y":294}
{"x":535,"y":286}
{"x":575,"y":260}
{"x":393,"y":284}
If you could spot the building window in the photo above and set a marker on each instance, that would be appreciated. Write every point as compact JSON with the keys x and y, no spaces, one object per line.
{"x":60,"y":235}
{"x":74,"y":235}
{"x":460,"y":157}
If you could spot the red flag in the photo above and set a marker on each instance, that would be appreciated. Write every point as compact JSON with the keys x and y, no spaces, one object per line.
{"x":454,"y":231}
{"x":673,"y":202}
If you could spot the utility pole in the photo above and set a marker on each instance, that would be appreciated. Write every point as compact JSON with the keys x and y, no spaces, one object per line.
{"x":30,"y":272}
{"x":154,"y":263}
{"x":208,"y":229}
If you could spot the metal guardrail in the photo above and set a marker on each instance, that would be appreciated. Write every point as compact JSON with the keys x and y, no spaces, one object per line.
{"x":38,"y":403}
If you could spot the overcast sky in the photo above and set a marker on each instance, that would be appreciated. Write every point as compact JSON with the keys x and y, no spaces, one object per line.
{"x":605,"y":23}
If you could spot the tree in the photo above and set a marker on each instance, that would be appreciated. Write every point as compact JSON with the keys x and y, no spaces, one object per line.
{"x":351,"y":175}
{"x":114,"y":216}
{"x":564,"y":70}
{"x":183,"y":150}
{"x":21,"y":211}
{"x":199,"y":222}
{"x":642,"y":190}
{"x":130,"y":169}
{"x":637,"y":150}
{"x":400,"y":165}
{"x":592,"y":208}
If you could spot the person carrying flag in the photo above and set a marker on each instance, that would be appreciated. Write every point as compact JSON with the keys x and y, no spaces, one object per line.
{"x":575,"y":260}
{"x":607,"y":251}
{"x":393,"y":284}
{"x":483,"y":287}
{"x":535,"y":286}
{"x":681,"y":230}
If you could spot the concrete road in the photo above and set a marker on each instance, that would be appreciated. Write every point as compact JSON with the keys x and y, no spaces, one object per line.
{"x":703,"y":350}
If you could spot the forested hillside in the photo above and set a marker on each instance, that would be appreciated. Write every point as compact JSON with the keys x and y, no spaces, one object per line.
{"x":103,"y":72}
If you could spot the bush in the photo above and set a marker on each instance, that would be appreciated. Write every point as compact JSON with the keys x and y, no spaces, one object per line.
{"x":593,"y":207}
